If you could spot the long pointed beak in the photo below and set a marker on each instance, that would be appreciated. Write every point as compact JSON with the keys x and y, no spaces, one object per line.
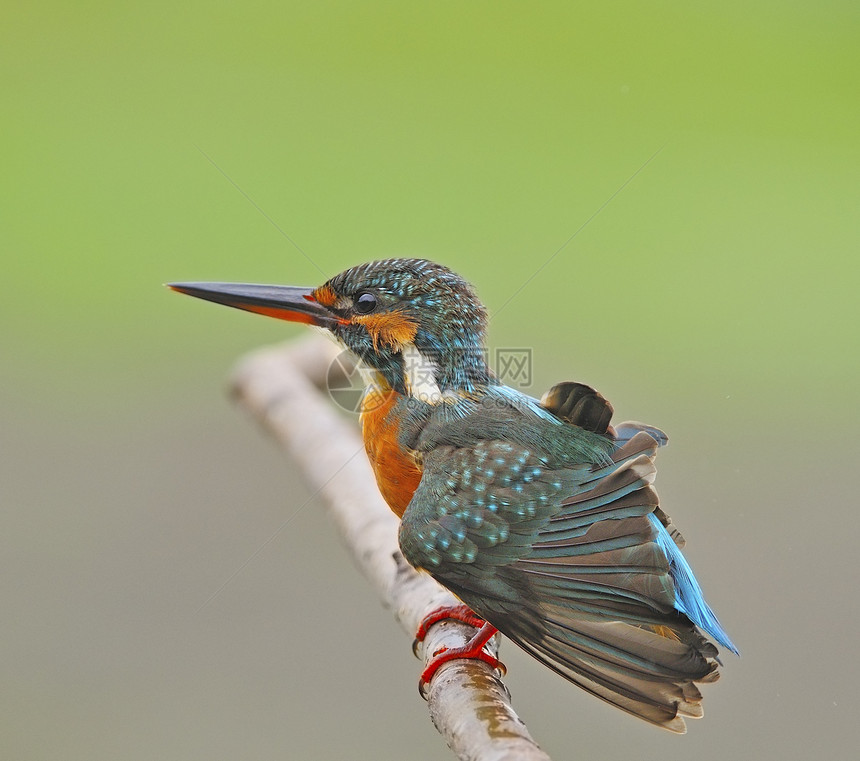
{"x":285,"y":302}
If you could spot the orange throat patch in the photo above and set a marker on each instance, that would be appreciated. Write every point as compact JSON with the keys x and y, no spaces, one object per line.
{"x":397,"y":473}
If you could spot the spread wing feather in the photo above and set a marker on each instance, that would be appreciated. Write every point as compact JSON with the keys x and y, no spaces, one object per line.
{"x":575,"y":563}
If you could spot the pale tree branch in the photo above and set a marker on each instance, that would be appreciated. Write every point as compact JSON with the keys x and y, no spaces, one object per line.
{"x":468,"y":703}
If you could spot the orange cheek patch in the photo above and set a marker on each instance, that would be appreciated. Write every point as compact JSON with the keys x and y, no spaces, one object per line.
{"x":392,"y":330}
{"x":324,"y":295}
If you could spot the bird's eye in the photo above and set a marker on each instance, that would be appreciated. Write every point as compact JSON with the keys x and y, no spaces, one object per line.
{"x":365,"y":303}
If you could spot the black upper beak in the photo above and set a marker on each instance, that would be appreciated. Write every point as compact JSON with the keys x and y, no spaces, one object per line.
{"x":286,"y":302}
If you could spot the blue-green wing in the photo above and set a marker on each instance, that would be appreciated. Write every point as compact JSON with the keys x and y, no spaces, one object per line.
{"x":574,"y":564}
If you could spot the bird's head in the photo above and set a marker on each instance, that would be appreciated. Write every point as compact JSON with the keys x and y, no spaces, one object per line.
{"x":416,"y":322}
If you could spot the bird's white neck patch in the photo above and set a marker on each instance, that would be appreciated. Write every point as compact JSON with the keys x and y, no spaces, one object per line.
{"x":419,"y":375}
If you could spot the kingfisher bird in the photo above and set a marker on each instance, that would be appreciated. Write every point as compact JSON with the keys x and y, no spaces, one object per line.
{"x":539,"y":515}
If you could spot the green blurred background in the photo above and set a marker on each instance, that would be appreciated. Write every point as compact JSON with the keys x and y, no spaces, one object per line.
{"x":714,"y":296}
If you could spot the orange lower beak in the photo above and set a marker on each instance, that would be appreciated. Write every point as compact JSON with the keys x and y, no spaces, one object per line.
{"x":286,"y":302}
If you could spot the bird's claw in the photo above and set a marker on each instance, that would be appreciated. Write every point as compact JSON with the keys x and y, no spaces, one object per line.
{"x":472,"y":650}
{"x":443,"y":655}
{"x":449,"y":612}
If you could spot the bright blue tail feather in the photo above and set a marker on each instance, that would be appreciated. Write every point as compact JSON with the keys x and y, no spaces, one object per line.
{"x":689,"y":599}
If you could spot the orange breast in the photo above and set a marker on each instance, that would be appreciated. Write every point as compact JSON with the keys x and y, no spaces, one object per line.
{"x":397,"y":475}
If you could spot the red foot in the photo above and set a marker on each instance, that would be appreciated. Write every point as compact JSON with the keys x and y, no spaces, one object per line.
{"x":473,"y":650}
{"x":457,"y":612}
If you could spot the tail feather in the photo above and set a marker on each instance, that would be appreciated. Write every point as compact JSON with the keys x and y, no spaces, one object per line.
{"x":665,"y":704}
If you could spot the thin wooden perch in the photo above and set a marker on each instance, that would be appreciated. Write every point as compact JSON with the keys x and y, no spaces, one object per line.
{"x":468,"y":703}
